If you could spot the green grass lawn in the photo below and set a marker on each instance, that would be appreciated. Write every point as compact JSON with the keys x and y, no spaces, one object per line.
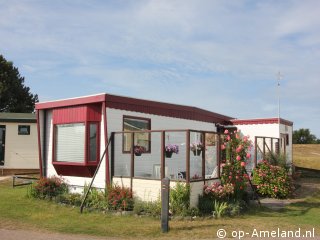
{"x":18,"y":211}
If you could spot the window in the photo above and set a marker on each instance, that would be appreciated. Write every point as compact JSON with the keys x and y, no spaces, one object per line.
{"x":70,"y":142}
{"x":93,"y":142}
{"x":23,"y":129}
{"x":141,"y":139}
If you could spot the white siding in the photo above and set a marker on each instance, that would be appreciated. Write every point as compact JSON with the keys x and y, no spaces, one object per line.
{"x":178,"y":161}
{"x":268,"y":130}
{"x":114,"y":120}
{"x":21,"y":151}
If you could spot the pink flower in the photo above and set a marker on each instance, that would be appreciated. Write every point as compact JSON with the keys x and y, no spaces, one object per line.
{"x":245,"y":138}
{"x":239,"y":149}
{"x":248,"y":155}
{"x":237,"y":136}
{"x":238,"y":158}
{"x":226,"y":131}
{"x":228,"y":138}
{"x":223,"y":147}
{"x":243,"y":164}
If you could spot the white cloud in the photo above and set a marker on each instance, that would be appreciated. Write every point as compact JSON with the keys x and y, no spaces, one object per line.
{"x":220,"y":55}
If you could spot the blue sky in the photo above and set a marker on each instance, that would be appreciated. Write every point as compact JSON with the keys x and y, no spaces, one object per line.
{"x":218,"y":55}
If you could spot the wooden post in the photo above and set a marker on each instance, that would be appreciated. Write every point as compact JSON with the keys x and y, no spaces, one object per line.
{"x":219,"y":154}
{"x":163,"y":163}
{"x":165,"y":192}
{"x":132,"y":160}
{"x":188,"y":156}
{"x":203,"y":155}
{"x":264,"y":148}
{"x":255,"y":152}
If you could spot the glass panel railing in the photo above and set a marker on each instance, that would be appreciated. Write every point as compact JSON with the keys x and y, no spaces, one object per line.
{"x":175,"y":161}
{"x":211,"y":162}
{"x":196,"y":154}
{"x":122,"y":160}
{"x":148,"y":165}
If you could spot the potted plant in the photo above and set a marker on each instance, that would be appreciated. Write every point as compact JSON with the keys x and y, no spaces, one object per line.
{"x":196,"y":148}
{"x":170,"y":149}
{"x":138,"y":150}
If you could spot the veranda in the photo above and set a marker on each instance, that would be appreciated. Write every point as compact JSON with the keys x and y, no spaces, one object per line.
{"x":143,"y":172}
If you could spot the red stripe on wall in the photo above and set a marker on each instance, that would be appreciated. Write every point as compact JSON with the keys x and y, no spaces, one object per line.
{"x":261,"y":121}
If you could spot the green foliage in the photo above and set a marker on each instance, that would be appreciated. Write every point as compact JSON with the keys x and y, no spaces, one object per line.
{"x":180,"y":198}
{"x":235,"y":152}
{"x":14,"y":95}
{"x":47,"y":188}
{"x":219,"y":208}
{"x":205,"y":204}
{"x":236,"y":208}
{"x":96,"y":199}
{"x":147,"y":208}
{"x":73,"y":199}
{"x":304,"y":136}
{"x":272,"y":181}
{"x":276,"y":159}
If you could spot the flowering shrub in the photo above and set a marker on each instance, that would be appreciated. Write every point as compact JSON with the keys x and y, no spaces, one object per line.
{"x":217,"y":191}
{"x":235,"y":152}
{"x":138,"y":150}
{"x":119,"y":198}
{"x":172,"y":148}
{"x":272,"y":181}
{"x":48,"y":188}
{"x":196,"y":146}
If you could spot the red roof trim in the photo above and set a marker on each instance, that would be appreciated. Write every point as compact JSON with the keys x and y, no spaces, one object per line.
{"x":261,"y":121}
{"x":71,"y":102}
{"x":165,"y":109}
{"x":143,"y":106}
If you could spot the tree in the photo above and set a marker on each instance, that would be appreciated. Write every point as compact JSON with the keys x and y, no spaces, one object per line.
{"x":303,"y":136}
{"x":14,"y":95}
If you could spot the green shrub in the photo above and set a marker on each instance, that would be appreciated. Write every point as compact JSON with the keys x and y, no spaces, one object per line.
{"x":96,"y":199}
{"x":147,"y":208}
{"x":47,"y":188}
{"x":276,"y":159}
{"x":73,"y":199}
{"x":205,"y":204}
{"x":219,"y":208}
{"x":179,"y":198}
{"x":236,"y":208}
{"x":272,"y":181}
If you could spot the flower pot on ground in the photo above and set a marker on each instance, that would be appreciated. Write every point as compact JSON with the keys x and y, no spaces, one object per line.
{"x":170,"y":149}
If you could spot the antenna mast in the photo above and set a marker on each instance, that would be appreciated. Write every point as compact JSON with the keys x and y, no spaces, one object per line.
{"x":279,"y":77}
